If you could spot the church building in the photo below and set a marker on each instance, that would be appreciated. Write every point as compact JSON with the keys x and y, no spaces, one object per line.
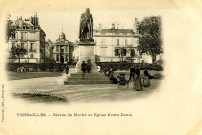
{"x":62,"y":51}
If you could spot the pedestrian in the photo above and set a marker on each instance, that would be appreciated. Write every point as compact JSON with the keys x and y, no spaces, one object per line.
{"x":146,"y":80}
{"x":110,"y":71}
{"x":21,"y":69}
{"x":132,"y":73}
{"x":137,"y":80}
{"x":18,"y":69}
{"x":105,"y":70}
{"x":88,"y":66}
{"x":83,"y":67}
{"x":122,"y":79}
{"x":98,"y":68}
{"x":67,"y":69}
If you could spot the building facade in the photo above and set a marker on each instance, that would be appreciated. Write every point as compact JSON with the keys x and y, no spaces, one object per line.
{"x":49,"y":49}
{"x":113,"y":45}
{"x":63,"y":49}
{"x":28,"y":35}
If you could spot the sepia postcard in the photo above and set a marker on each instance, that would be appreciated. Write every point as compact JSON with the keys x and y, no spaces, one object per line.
{"x":99,"y":67}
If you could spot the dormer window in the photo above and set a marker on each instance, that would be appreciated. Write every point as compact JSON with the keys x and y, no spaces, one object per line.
{"x":23,"y":27}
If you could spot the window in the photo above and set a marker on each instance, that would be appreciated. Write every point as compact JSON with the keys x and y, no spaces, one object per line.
{"x":23,"y":45}
{"x":57,"y":48}
{"x":13,"y":44}
{"x":23,"y":35}
{"x":124,"y":52}
{"x":117,"y":42}
{"x":23,"y":27}
{"x":57,"y":59}
{"x":126,"y":42}
{"x":116,"y":52}
{"x":66,"y":58}
{"x":66,"y":48}
{"x":31,"y":56}
{"x":16,"y":35}
{"x":32,"y":48}
{"x":132,"y":53}
{"x":61,"y":49}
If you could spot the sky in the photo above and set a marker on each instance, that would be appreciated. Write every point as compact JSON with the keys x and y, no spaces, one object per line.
{"x":54,"y":22}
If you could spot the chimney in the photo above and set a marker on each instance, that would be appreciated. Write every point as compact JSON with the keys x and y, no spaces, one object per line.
{"x":113,"y":26}
{"x":135,"y":26}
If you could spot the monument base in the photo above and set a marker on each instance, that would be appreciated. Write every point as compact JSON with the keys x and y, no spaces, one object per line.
{"x":87,"y":78}
{"x":86,"y":52}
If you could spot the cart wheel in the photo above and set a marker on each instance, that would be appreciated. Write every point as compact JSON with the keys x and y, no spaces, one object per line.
{"x":123,"y":87}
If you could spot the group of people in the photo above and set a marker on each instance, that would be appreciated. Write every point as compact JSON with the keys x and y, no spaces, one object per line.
{"x":86,"y":66}
{"x":21,"y":69}
{"x":139,"y":81}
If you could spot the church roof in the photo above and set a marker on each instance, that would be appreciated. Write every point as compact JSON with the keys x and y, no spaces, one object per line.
{"x":62,"y":33}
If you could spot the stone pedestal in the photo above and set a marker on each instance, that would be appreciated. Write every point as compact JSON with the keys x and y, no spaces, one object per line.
{"x":86,"y":52}
{"x":87,"y":78}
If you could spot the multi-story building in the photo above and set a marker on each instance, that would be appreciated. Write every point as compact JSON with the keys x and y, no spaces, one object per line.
{"x":48,"y":49}
{"x":63,"y":49}
{"x":27,"y":34}
{"x":116,"y":44}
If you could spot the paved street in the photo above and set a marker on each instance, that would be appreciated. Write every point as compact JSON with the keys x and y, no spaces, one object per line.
{"x":80,"y":93}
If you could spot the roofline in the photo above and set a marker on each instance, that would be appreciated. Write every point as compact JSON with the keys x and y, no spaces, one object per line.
{"x":33,"y":30}
{"x":134,"y":36}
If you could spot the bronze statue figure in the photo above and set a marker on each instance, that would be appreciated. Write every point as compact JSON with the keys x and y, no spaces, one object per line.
{"x":86,"y":26}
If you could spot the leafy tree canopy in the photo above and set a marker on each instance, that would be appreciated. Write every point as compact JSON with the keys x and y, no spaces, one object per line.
{"x":17,"y":51}
{"x":150,"y":36}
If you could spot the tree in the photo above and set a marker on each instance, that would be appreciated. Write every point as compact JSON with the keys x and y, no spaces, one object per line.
{"x":17,"y":51}
{"x":150,"y":36}
{"x":10,"y":29}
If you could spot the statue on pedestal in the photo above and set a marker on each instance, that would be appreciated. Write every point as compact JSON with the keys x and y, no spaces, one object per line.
{"x":86,"y":26}
{"x":86,"y":49}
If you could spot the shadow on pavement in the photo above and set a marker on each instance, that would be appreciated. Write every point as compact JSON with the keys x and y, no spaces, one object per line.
{"x":39,"y":98}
